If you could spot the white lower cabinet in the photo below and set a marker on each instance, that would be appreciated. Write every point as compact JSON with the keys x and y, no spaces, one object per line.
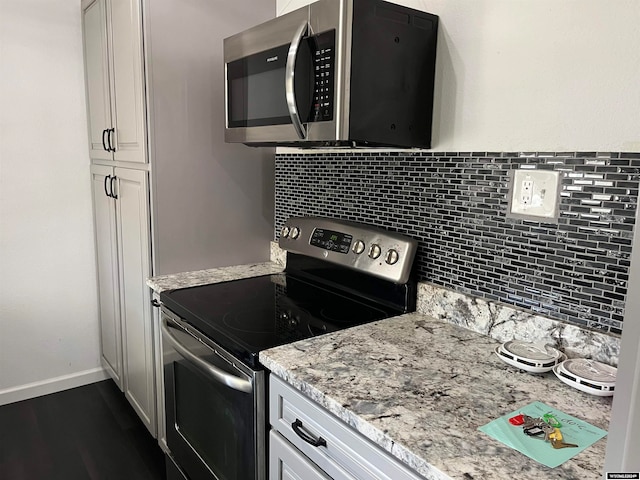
{"x":321,"y":444}
{"x":287,"y":463}
{"x":121,"y":209}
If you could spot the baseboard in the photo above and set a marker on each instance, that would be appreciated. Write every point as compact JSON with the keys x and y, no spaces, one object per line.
{"x":52,"y":385}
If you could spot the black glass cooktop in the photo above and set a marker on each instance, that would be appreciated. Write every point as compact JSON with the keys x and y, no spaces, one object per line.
{"x":249,"y":315}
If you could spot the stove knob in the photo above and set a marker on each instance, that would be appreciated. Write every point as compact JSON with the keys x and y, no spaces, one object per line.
{"x":392,"y":257}
{"x":374,"y":251}
{"x":284,"y":232}
{"x":295,"y":232}
{"x":358,"y":247}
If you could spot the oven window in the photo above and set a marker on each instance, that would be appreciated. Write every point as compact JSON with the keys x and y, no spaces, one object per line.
{"x":216,"y":421}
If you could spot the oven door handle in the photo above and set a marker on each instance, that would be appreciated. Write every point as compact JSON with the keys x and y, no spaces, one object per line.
{"x":212,"y":371}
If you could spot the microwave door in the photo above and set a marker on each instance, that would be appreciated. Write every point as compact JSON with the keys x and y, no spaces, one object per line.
{"x":265,"y":100}
{"x":287,"y":80}
{"x":256,"y":105}
{"x":270,"y":94}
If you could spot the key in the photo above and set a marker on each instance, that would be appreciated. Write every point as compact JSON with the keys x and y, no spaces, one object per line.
{"x":561,"y":444}
{"x":548,"y":432}
{"x":529,"y":421}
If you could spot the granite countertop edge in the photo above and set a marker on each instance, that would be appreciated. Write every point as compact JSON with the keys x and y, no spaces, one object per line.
{"x":161,"y":283}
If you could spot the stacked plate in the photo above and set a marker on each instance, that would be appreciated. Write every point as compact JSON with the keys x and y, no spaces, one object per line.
{"x":532,"y":357}
{"x":588,"y":376}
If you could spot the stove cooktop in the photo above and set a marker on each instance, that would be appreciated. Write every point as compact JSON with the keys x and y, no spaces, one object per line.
{"x":249,"y":315}
{"x":339,"y":274}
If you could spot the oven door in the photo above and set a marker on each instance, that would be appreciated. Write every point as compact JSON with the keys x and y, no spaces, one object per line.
{"x":215,"y":407}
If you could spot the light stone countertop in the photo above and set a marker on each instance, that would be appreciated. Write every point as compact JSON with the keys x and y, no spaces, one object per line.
{"x":162,"y":283}
{"x":420,"y":388}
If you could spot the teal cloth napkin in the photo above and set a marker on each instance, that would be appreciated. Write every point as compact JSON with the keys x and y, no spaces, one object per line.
{"x":573,"y":430}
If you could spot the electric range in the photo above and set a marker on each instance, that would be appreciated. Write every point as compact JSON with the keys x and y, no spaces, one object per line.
{"x":339,"y":274}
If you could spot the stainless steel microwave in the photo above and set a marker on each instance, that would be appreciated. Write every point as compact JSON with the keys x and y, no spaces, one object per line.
{"x":334,"y":73}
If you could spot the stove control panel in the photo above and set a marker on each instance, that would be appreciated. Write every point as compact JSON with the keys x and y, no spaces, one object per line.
{"x":375,"y":251}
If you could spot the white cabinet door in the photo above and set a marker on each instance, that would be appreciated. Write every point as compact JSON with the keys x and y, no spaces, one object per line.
{"x":128,"y":102}
{"x":114,"y":70}
{"x":132,"y":206}
{"x":287,"y":463}
{"x":107,"y":265}
{"x":121,"y":211}
{"x":97,"y":78}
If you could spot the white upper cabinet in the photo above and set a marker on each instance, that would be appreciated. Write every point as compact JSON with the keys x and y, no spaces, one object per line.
{"x":115,"y":79}
{"x":97,"y":78}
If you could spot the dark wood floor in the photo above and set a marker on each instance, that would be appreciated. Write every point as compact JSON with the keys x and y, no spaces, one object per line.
{"x":88,"y":432}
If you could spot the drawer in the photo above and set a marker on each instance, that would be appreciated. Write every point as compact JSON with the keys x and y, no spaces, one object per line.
{"x":287,"y":463}
{"x":340,"y":451}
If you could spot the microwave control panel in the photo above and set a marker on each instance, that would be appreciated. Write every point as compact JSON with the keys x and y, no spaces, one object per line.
{"x":323,"y":51}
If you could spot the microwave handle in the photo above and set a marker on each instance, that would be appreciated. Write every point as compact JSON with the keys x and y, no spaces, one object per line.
{"x":290,"y":83}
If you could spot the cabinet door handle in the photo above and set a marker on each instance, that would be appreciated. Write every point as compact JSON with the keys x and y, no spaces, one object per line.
{"x":106,"y":180}
{"x":316,"y":442}
{"x":104,"y":142}
{"x":113,"y":195}
{"x":112,"y":132}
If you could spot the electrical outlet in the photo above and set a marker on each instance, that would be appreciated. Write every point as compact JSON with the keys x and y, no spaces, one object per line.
{"x":527,"y":192}
{"x":534,"y":194}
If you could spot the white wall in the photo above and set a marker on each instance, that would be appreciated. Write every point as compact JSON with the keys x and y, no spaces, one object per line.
{"x":534,"y":75}
{"x":49,"y":336}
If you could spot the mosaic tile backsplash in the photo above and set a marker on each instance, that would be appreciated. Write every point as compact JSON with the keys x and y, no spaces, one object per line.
{"x":455,"y":204}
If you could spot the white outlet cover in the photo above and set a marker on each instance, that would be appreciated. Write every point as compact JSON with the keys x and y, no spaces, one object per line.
{"x":534,"y":195}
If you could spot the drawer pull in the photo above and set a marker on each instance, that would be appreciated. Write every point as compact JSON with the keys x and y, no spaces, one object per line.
{"x":297,"y":427}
